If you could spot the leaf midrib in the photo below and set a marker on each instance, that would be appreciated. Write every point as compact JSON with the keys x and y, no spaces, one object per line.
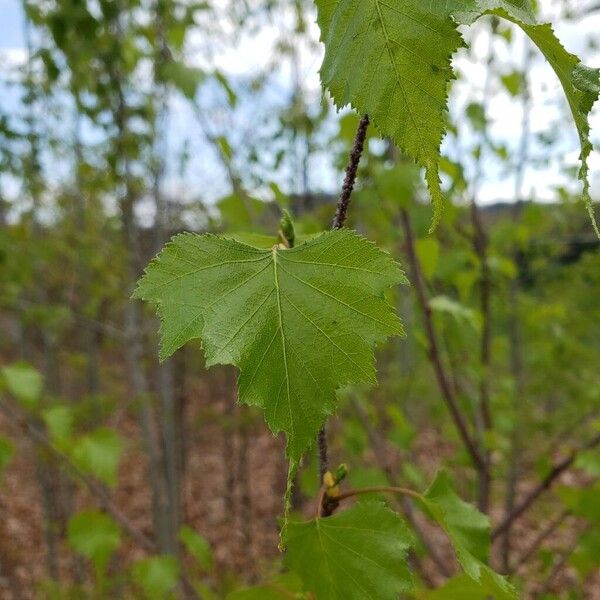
{"x":283,"y":342}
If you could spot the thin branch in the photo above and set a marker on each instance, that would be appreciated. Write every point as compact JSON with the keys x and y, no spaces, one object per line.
{"x":543,"y":486}
{"x":323,"y":458}
{"x":110,"y":330}
{"x":559,"y":566}
{"x":435,"y":357}
{"x":480,"y":245}
{"x":233,"y":174}
{"x":351,"y":171}
{"x":480,"y":242}
{"x":589,"y":10}
{"x":514,"y":471}
{"x":96,"y":490}
{"x":535,"y":545}
{"x":383,"y":489}
{"x":339,"y":221}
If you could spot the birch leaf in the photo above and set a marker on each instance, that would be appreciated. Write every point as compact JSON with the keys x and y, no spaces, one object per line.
{"x":357,"y":554}
{"x":469,"y":532}
{"x":392,"y":60}
{"x":299,"y":323}
{"x":580,"y":84}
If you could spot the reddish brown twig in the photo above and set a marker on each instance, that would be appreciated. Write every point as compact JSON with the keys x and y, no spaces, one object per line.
{"x":339,"y":221}
{"x":543,"y":486}
{"x":39,"y":437}
{"x":351,"y":172}
{"x":435,"y":356}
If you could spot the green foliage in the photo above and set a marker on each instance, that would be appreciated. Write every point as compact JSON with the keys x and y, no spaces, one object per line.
{"x":428,"y":253}
{"x":589,"y":461}
{"x":239,"y":211}
{"x":463,"y":587}
{"x":198,"y":546}
{"x":156,"y":576}
{"x":469,"y":532}
{"x":356,"y":554}
{"x":583,"y":502}
{"x":185,"y":79}
{"x":23,"y":382}
{"x":98,"y":454}
{"x":287,"y":231}
{"x":581,"y":84}
{"x":460,"y":312}
{"x":59,"y":421}
{"x":94,"y":535}
{"x":298,"y":322}
{"x":513,"y":82}
{"x":394,"y":64}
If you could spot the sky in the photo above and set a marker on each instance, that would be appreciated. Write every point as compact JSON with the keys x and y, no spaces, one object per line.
{"x":251,"y":51}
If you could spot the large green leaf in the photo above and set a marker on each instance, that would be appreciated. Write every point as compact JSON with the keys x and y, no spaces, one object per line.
{"x":393,"y":61}
{"x":299,"y":323}
{"x":469,"y":532}
{"x":356,"y":554}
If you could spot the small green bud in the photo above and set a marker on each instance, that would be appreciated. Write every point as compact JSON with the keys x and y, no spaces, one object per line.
{"x":287,"y":233}
{"x":340,"y":473}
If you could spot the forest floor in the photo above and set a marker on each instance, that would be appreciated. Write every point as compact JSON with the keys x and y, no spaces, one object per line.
{"x":233,"y":485}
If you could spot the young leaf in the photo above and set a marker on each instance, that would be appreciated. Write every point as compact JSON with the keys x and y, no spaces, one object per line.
{"x":59,"y":421}
{"x":298,"y":322}
{"x":156,"y":575}
{"x":392,"y":61}
{"x":185,"y":79}
{"x":469,"y":532}
{"x":197,"y":546}
{"x":95,"y":536}
{"x":98,"y":453}
{"x":356,"y":554}
{"x":23,"y":382}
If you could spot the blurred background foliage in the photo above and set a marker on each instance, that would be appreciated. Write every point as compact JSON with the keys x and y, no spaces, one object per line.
{"x":120,"y":126}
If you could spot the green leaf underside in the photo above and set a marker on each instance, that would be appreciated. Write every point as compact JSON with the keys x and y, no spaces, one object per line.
{"x":358,"y":554}
{"x":392,"y":60}
{"x":469,"y":532}
{"x":299,"y":323}
{"x":581,"y":85}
